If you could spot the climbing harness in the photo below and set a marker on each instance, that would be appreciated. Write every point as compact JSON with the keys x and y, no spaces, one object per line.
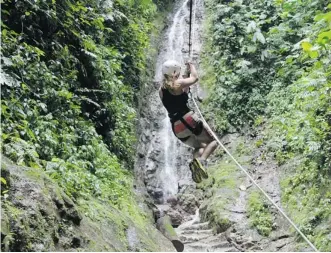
{"x":178,"y":110}
{"x":237,"y":163}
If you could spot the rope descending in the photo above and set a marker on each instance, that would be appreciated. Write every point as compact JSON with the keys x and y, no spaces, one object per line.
{"x":237,"y":163}
{"x":190,"y":30}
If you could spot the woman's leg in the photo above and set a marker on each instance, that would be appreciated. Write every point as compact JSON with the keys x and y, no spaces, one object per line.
{"x":198,"y":152}
{"x":208,"y":150}
{"x":211,"y":145}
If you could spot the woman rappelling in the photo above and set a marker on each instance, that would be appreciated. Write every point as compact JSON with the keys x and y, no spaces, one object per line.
{"x":186,"y":125}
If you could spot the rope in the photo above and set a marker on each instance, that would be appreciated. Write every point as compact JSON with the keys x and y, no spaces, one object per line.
{"x":250,"y":177}
{"x":190,"y":30}
{"x":237,"y":163}
{"x":194,"y":10}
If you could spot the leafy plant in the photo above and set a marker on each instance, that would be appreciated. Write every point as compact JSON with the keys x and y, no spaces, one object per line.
{"x":268,"y":66}
{"x":259,"y":214}
{"x":73,"y":72}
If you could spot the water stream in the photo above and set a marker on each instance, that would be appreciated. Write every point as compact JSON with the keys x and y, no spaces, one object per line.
{"x":175,"y":47}
{"x":162,"y":163}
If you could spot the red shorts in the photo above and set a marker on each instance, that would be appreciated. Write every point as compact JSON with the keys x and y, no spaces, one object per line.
{"x":180,"y":127}
{"x":187,"y":126}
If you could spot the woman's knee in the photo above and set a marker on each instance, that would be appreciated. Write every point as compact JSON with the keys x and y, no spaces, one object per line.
{"x":214,"y":143}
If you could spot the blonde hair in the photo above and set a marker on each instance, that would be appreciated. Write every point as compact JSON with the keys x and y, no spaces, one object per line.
{"x":169,"y":82}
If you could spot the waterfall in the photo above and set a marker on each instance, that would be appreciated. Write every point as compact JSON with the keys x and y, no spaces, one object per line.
{"x":166,"y":160}
{"x":173,"y":50}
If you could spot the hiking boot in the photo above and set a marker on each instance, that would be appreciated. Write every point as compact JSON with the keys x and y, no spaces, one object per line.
{"x":201,"y":167}
{"x":195,"y":175}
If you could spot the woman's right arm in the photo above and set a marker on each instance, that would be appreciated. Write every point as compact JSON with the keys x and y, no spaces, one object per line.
{"x":186,"y":82}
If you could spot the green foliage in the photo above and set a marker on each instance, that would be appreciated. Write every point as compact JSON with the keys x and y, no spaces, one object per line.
{"x":72,"y":74}
{"x":268,"y":66}
{"x":259,"y":213}
{"x":300,"y":126}
{"x":237,"y":58}
{"x":307,"y":197}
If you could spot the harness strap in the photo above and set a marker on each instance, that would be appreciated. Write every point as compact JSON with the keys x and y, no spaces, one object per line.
{"x":182,"y":139}
{"x":179,"y":116}
{"x":176,"y":116}
{"x":187,"y":124}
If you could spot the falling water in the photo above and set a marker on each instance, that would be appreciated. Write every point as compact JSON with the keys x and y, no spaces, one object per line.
{"x":173,"y":48}
{"x":166,"y":158}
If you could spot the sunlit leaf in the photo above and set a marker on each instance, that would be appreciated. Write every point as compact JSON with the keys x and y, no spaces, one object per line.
{"x":306,"y":46}
{"x":3,"y":181}
{"x":260,"y":37}
{"x":324,"y":37}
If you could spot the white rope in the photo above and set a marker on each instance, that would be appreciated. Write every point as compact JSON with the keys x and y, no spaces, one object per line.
{"x":193,"y":23}
{"x":250,"y":177}
{"x":238,"y":164}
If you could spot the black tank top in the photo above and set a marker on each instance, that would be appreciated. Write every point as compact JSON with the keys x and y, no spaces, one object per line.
{"x":175,"y":103}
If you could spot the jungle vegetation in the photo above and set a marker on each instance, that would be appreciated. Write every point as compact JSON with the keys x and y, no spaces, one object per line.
{"x":268,"y":66}
{"x":72,"y":75}
{"x":72,"y":71}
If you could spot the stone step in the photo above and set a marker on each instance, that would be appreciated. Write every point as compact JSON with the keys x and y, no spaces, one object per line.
{"x":202,"y":248}
{"x":192,"y":238}
{"x":229,"y":249}
{"x":198,"y":226}
{"x":197,"y":232}
{"x":220,"y":244}
{"x":216,"y":238}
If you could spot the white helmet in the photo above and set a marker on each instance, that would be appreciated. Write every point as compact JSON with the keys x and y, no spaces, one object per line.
{"x":171,"y":68}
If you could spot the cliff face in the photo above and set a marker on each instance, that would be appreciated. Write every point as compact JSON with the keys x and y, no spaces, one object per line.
{"x":230,"y":211}
{"x":37,"y":215}
{"x":69,"y":98}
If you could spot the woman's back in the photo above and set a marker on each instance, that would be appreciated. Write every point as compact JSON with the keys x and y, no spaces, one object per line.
{"x":175,"y":103}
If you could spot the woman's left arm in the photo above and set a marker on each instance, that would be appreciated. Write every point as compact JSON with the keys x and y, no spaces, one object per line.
{"x":187,"y":82}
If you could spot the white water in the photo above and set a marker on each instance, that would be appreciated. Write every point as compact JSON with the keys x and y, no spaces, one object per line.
{"x":172,"y":50}
{"x":172,"y":162}
{"x":168,"y":175}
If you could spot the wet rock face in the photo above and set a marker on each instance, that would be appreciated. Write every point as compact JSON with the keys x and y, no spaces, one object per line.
{"x":38,"y":216}
{"x":188,"y":203}
{"x":162,"y":160}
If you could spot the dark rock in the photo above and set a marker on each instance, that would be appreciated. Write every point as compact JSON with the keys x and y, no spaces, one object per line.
{"x":158,"y":193}
{"x":141,"y":155}
{"x":59,"y":203}
{"x":63,"y":213}
{"x":175,"y":216}
{"x":248,"y":244}
{"x":76,"y":242}
{"x":55,"y":237}
{"x":172,"y":200}
{"x":74,"y":216}
{"x":43,"y":212}
{"x":188,"y":203}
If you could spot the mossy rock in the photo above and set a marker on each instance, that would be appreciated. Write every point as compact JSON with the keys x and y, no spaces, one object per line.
{"x":5,"y":226}
{"x":39,"y":216}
